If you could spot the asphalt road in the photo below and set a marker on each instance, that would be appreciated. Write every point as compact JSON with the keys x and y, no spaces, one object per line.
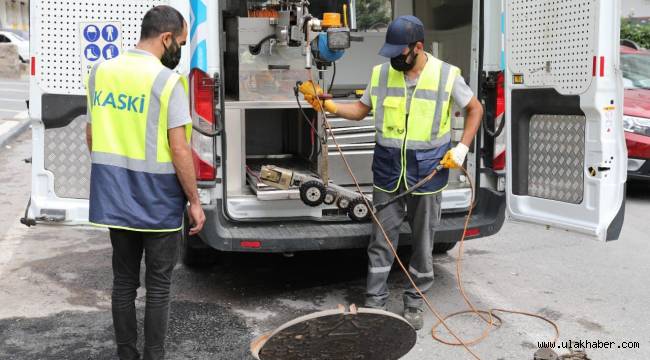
{"x":13,"y":94}
{"x":55,"y":288}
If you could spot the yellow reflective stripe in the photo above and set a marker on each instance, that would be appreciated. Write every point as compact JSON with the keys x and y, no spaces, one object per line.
{"x":185,"y":83}
{"x":379,"y":85}
{"x":188,"y":127}
{"x":424,"y":94}
{"x":431,"y":193}
{"x":164,"y":154}
{"x":427,"y":145}
{"x":445,"y":114}
{"x":374,"y":79}
{"x":134,"y":229}
{"x":403,"y":175}
{"x":389,"y":191}
{"x":415,"y":192}
{"x":423,"y":108}
{"x":132,"y":164}
{"x":374,"y":83}
{"x":394,"y":106}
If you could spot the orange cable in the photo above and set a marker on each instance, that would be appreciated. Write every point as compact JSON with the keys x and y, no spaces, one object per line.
{"x":441,"y":320}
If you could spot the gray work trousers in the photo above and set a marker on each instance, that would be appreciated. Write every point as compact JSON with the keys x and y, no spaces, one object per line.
{"x":423,"y":214}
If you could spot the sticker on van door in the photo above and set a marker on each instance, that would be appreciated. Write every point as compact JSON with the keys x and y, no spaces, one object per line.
{"x":99,"y":41}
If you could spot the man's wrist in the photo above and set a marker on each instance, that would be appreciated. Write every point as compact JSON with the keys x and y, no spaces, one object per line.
{"x":195,"y":201}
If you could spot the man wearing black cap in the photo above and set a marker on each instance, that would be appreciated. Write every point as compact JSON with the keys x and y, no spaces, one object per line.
{"x":412,"y":99}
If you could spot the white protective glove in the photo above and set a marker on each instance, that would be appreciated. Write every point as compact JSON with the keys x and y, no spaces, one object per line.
{"x":455,"y":157}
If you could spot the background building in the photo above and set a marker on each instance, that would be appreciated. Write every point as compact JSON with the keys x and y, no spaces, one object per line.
{"x":636,"y":8}
{"x":14,"y":14}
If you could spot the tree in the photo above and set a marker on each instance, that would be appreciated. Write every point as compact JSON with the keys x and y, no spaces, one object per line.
{"x":372,"y":14}
{"x":639,"y":33}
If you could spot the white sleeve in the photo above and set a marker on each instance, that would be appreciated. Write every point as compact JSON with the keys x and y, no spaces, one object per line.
{"x":179,"y":108}
{"x":461,"y":93}
{"x":365,"y":98}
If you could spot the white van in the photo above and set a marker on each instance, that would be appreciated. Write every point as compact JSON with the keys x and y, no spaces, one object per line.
{"x":551,"y":150}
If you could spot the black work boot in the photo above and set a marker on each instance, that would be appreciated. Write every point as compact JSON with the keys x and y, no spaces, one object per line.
{"x":414,"y":316}
{"x":374,"y":305}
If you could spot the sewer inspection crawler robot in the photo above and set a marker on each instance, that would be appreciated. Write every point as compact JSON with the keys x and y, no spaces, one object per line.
{"x":313,"y":192}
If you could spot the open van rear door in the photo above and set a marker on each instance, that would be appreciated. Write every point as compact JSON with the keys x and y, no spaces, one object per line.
{"x":566,"y":154}
{"x":66,"y":39}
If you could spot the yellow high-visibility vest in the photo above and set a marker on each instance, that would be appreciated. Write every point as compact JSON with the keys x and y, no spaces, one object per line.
{"x":133,"y":180}
{"x":409,"y":149}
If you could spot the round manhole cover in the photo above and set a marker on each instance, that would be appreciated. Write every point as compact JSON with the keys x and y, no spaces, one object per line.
{"x":338,"y":334}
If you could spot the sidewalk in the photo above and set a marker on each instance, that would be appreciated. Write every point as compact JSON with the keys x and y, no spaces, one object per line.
{"x":12,"y":127}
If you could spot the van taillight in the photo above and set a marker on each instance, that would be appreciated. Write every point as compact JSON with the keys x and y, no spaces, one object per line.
{"x":472,"y":232}
{"x":202,"y":95}
{"x":204,"y":170}
{"x":499,"y":161}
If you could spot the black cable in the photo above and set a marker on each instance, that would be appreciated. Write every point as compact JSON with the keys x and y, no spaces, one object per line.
{"x":499,"y":130}
{"x":212,"y":134}
{"x":329,"y":90}
{"x":255,"y":49}
{"x":304,"y":114}
{"x":422,"y":182}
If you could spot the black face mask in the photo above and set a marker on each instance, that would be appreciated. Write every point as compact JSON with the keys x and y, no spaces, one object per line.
{"x":400,"y":63}
{"x":172,"y":55}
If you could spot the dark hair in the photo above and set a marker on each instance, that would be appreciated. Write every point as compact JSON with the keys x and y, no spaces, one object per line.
{"x":161,"y":19}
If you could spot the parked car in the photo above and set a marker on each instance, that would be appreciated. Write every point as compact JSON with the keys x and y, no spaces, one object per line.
{"x":635,"y":63}
{"x":14,"y":37}
{"x":20,"y":33}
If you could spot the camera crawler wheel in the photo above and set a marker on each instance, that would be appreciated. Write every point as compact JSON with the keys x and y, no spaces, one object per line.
{"x":358,"y":210}
{"x":330,"y":197}
{"x":343,"y":203}
{"x":312,"y":193}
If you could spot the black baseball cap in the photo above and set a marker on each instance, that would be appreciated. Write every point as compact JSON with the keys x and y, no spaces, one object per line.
{"x":402,"y":32}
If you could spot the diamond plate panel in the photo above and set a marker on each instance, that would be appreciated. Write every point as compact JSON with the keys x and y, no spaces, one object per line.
{"x":67,"y":157}
{"x":556,"y":157}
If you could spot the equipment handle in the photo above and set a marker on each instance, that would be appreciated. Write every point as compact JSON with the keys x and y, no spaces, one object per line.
{"x":381,"y":206}
{"x":279,"y":67}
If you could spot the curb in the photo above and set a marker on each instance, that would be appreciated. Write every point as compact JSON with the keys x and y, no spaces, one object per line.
{"x":19,"y":128}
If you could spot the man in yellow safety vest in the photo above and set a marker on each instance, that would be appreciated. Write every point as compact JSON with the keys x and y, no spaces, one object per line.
{"x":142,"y":174}
{"x":412,"y":99}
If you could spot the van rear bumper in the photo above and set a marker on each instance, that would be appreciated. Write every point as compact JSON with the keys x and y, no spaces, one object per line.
{"x":293,"y":236}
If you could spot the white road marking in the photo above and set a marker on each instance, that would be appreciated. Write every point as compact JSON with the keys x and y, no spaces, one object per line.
{"x":12,"y":100}
{"x":10,"y":110}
